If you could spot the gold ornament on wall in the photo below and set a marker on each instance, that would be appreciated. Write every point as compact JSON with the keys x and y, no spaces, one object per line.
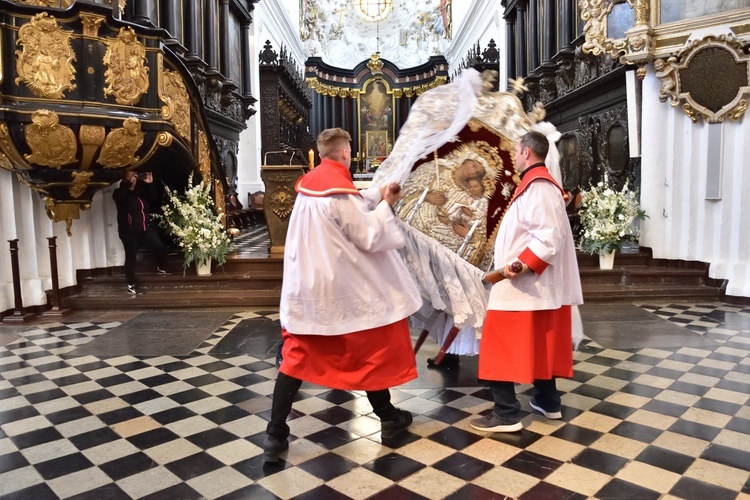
{"x":121,"y":145}
{"x":176,"y":107}
{"x":596,"y":41}
{"x":45,"y":64}
{"x":126,"y":77}
{"x":64,"y":4}
{"x":204,"y":157}
{"x":52,"y":144}
{"x":5,"y":162}
{"x":80,"y":183}
{"x":281,"y":201}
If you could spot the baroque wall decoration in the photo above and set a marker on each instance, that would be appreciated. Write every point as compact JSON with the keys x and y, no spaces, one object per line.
{"x":45,"y":63}
{"x":52,"y":145}
{"x":709,"y":79}
{"x":176,"y":107}
{"x":121,"y":145}
{"x":126,"y":77}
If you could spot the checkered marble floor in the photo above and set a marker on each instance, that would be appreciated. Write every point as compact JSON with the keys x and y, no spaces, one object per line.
{"x":639,"y":423}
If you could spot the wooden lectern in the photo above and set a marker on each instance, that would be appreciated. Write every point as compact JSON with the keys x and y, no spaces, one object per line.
{"x":278,"y":200}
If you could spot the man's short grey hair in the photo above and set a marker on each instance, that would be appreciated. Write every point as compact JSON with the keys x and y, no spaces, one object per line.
{"x":536,"y":142}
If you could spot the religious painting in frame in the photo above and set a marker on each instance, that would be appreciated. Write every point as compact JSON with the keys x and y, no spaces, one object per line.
{"x":376,"y":144}
{"x":375,"y":110}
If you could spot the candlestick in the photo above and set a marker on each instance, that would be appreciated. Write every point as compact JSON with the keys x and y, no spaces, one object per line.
{"x":437,"y":170}
{"x":311,"y":159}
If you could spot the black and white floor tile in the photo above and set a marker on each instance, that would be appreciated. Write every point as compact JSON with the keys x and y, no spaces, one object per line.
{"x":637,"y":423}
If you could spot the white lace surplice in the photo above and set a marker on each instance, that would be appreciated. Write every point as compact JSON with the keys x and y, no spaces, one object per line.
{"x":449,"y":284}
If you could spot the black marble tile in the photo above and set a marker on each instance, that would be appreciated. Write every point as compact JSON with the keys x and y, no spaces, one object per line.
{"x":738,"y":424}
{"x":447,"y":414}
{"x":731,"y":320}
{"x":321,"y":492}
{"x":613,"y":410}
{"x":255,"y":336}
{"x":621,"y":374}
{"x":158,"y":380}
{"x":635,"y":431}
{"x":257,"y":366}
{"x":35,"y":438}
{"x":455,"y":438}
{"x":90,"y":439}
{"x":42,"y":396}
{"x":12,"y":461}
{"x":396,"y":492}
{"x":688,"y":487}
{"x":109,"y":492}
{"x":211,"y":438}
{"x":332,"y":437}
{"x":617,"y":488}
{"x":179,"y":491}
{"x":722,"y":356}
{"x":257,"y":492}
{"x":63,"y":466}
{"x":173,"y":415}
{"x":215,"y":366}
{"x":93,"y":396}
{"x":688,"y":388}
{"x":152,"y":438}
{"x":473,"y":492}
{"x":665,"y":408}
{"x":337,"y":397}
{"x":114,"y":380}
{"x":577,"y":434}
{"x":194,"y":466}
{"x":394,"y":466}
{"x":28,"y":380}
{"x":593,"y":391}
{"x":732,"y":457}
{"x":581,"y":376}
{"x":36,"y":492}
{"x":226,"y":414}
{"x":662,"y":372}
{"x":532,"y":464}
{"x":56,"y":365}
{"x":238,"y":396}
{"x":550,"y":491}
{"x":174,"y":366}
{"x":133,"y":366}
{"x":75,"y":413}
{"x":135,"y":398}
{"x":189,"y":396}
{"x":334,"y":415}
{"x":203,"y":380}
{"x":694,"y":429}
{"x":10,"y":392}
{"x":128,"y":466}
{"x":600,"y":461}
{"x":665,"y":459}
{"x":328,"y":466}
{"x":709,"y":371}
{"x":717,"y":406}
{"x":34,"y":355}
{"x":463,"y":466}
{"x":733,"y":385}
{"x":78,"y":378}
{"x":685,"y":358}
{"x":248,"y":380}
{"x":120,"y":415}
{"x":442,"y":395}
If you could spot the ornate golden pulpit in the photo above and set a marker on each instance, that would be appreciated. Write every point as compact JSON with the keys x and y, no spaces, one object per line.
{"x":279,"y":201}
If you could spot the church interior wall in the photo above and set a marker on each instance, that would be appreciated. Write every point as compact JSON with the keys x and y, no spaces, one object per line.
{"x":683,"y":224}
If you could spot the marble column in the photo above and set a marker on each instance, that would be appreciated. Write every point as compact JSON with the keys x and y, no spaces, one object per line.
{"x":532,"y":40}
{"x":521,"y":62}
{"x":567,"y":22}
{"x":193,"y":31}
{"x":211,"y":18}
{"x":549,"y":32}
{"x":171,"y":15}
{"x":245,"y":47}
{"x":510,"y":49}
{"x":224,"y":40}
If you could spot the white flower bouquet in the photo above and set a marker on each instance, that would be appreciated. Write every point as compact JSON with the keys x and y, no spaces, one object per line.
{"x":191,"y":219}
{"x":607,"y":217}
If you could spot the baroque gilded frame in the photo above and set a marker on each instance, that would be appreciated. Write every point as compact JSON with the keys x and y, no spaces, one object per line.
{"x":669,"y":46}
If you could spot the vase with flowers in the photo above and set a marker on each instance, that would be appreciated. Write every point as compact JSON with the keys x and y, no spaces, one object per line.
{"x":191,"y":218}
{"x":607,"y":220}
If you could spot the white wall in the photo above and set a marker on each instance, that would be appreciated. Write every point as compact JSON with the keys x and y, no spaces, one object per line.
{"x":473,"y":22}
{"x":277,"y":21}
{"x":683,"y":224}
{"x":94,"y":243}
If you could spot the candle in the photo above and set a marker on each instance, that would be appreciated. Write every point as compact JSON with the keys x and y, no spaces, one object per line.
{"x":473,"y":228}
{"x":311,"y":159}
{"x":437,"y":170}
{"x":422,"y":197}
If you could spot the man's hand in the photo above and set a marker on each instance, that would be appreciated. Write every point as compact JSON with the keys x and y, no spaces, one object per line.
{"x":436,"y":199}
{"x":148,"y":178}
{"x":517,"y":268}
{"x":392,"y":193}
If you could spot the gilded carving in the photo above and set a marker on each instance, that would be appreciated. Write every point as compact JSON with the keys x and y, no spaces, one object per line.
{"x":220,"y":200}
{"x":80,"y":183}
{"x":122,"y":4}
{"x":45,"y":64}
{"x":281,"y":201}
{"x":64,"y":4}
{"x":91,"y":23}
{"x":52,"y":144}
{"x":204,"y":156}
{"x":126,"y":77}
{"x":121,"y":145}
{"x":689,"y":79}
{"x":177,"y":102}
{"x":90,"y":137}
{"x":640,"y":11}
{"x":5,"y":162}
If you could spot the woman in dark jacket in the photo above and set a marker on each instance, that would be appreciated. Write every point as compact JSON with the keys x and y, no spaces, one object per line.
{"x":133,"y":198}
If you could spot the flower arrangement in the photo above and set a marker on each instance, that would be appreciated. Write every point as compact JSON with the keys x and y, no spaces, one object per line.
{"x":607,"y":217}
{"x":191,"y":219}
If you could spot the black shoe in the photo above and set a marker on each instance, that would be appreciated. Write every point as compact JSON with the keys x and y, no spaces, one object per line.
{"x":448,"y":361}
{"x":272,"y":448}
{"x":392,"y":428}
{"x":493,"y":423}
{"x":132,"y":290}
{"x":554,"y":414}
